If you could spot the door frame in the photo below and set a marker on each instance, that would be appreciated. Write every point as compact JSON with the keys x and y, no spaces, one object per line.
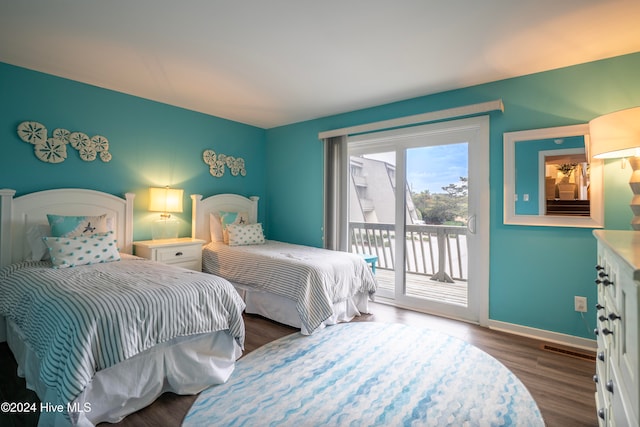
{"x":475,"y":131}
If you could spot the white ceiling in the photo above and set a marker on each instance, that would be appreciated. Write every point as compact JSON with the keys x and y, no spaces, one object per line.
{"x":274,"y":62}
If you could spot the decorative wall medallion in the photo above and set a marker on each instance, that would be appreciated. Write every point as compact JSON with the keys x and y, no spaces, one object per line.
{"x":217,"y":163}
{"x":54,"y":149}
{"x":32,"y":132}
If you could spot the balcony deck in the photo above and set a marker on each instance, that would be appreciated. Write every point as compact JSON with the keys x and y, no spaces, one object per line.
{"x":421,"y":286}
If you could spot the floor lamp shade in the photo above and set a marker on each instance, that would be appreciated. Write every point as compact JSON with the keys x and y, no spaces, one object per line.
{"x":617,"y":135}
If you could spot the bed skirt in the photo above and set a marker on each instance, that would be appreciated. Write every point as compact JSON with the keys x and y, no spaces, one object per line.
{"x":184,"y":365}
{"x":283,"y":310}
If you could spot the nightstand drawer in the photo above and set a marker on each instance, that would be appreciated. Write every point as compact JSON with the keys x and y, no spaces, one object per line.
{"x":172,"y":255}
{"x":183,"y":252}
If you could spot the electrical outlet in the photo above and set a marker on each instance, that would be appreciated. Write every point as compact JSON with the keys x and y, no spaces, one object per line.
{"x":580,"y":303}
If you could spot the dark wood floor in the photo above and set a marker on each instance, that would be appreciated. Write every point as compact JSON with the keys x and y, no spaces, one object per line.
{"x":561,"y":385}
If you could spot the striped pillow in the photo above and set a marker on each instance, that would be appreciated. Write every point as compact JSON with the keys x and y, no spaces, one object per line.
{"x":240,"y":235}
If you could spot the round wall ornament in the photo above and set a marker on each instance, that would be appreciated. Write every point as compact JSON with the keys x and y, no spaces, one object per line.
{"x":32,"y":132}
{"x":53,"y":150}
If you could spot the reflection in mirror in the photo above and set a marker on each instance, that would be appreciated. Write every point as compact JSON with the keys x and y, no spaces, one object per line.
{"x":552,"y":177}
{"x":566,"y":184}
{"x":549,"y":179}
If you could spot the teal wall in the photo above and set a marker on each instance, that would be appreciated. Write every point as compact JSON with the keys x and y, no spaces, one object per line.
{"x":534,"y":271}
{"x":152,"y":144}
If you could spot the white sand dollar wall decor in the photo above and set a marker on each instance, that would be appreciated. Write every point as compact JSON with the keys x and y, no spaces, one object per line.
{"x":218,"y":162}
{"x":54,"y":149}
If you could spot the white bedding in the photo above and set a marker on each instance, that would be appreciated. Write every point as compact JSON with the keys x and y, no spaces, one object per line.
{"x":83,"y":320}
{"x":316,"y":279}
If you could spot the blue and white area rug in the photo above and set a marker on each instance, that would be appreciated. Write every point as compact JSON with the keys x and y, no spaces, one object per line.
{"x":367,"y":374}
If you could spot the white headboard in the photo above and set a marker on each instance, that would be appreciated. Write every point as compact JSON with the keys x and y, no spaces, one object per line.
{"x":201,"y":208}
{"x":18,"y":214}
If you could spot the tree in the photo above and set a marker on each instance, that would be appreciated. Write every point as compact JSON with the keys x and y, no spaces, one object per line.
{"x":450,"y":207}
{"x":457,"y":190}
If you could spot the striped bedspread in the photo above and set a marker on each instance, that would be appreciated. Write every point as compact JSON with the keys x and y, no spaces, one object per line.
{"x":83,"y":319}
{"x":312,"y":277}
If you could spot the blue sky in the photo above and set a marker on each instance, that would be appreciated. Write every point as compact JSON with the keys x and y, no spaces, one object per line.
{"x":433,"y":167}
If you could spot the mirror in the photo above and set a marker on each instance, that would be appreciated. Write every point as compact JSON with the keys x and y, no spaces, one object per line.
{"x":550,"y":180}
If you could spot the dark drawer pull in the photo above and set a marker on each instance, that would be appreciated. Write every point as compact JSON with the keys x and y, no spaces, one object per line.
{"x":178,"y":253}
{"x":610,"y":386}
{"x":601,"y":413}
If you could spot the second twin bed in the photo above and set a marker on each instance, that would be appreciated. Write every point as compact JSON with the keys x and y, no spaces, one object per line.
{"x":300,"y":286}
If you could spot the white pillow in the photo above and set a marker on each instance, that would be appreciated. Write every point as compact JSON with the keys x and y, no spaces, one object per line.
{"x":39,"y":250}
{"x":215,"y":228}
{"x":75,"y":251}
{"x":250,"y":234}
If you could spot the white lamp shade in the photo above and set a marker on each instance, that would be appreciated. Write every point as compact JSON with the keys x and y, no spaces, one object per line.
{"x":615,"y":134}
{"x":165,"y":199}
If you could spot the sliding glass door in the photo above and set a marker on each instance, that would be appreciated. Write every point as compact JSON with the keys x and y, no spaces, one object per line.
{"x":420,"y":205}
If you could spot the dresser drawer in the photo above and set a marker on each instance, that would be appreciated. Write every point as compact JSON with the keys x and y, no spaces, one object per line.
{"x":618,"y":374}
{"x":173,"y":255}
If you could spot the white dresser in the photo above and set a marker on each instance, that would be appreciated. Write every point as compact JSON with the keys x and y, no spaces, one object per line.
{"x":182,"y":252}
{"x":617,"y":370}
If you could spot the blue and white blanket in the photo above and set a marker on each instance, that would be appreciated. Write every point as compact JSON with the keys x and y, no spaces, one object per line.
{"x":83,"y":319}
{"x":314,"y":278}
{"x":368,"y":374}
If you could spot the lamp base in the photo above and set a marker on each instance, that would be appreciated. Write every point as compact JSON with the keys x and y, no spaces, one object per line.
{"x":165,"y":229}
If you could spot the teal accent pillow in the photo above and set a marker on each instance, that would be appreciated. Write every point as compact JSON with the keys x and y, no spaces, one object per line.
{"x":74,"y":251}
{"x":73,"y":226}
{"x":250,"y":234}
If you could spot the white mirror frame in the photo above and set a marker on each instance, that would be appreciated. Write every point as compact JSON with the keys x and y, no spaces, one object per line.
{"x":596,"y":218}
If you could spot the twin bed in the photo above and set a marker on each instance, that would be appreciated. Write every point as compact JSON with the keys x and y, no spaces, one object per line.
{"x":301,"y":286}
{"x":104,"y":339}
{"x":103,"y":333}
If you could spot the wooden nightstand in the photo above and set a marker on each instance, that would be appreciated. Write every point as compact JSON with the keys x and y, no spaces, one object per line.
{"x":184,"y":252}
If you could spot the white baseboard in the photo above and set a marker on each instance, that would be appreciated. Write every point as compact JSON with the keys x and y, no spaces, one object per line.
{"x":542,"y":335}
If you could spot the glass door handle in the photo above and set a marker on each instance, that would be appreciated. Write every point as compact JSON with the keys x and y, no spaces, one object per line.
{"x":471,"y":224}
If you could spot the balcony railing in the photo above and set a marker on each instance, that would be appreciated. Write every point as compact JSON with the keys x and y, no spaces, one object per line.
{"x":437,"y":251}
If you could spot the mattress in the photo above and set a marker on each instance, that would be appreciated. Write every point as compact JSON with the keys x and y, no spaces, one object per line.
{"x":316,"y":279}
{"x":82,"y":320}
